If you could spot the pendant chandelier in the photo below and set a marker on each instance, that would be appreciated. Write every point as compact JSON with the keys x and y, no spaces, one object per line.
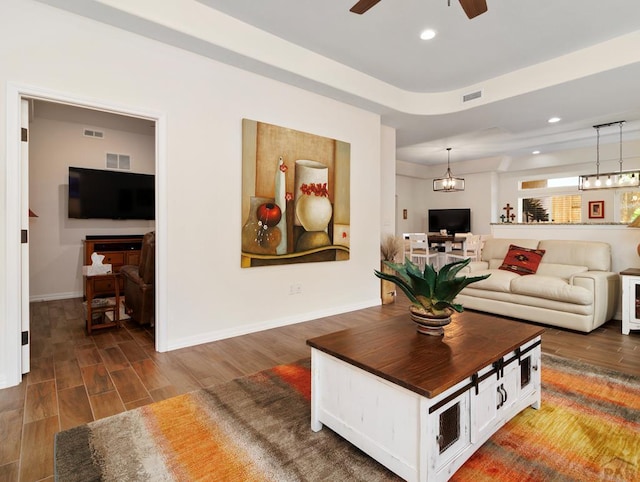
{"x":448,"y":183}
{"x":608,"y":180}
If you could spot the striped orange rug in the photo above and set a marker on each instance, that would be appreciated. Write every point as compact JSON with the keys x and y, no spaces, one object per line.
{"x":256,"y":428}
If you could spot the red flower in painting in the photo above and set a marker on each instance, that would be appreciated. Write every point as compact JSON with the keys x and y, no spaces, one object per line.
{"x":288,"y":196}
{"x":316,"y":189}
{"x":283,"y":167}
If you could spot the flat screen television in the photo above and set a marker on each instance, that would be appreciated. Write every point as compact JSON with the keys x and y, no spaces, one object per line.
{"x":453,"y":220}
{"x":102,"y":194}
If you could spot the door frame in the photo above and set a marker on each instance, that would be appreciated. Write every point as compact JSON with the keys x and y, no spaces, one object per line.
{"x":12,"y":335}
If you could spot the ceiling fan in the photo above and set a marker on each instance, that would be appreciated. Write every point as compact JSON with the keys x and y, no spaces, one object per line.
{"x":472,"y":8}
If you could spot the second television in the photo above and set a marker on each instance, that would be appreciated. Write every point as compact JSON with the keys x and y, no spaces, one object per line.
{"x":453,"y":220}
{"x":105,"y":194}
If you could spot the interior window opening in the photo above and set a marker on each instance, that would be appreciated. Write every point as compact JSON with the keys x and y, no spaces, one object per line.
{"x":552,"y":209}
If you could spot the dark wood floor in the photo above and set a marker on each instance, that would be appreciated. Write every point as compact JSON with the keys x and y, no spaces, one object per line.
{"x":76,"y":378}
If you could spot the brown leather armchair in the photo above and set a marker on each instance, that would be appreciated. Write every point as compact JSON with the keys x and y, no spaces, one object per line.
{"x":139,"y":283}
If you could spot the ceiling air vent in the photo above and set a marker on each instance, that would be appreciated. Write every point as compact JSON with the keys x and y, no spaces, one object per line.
{"x":471,"y":96}
{"x":92,"y":133}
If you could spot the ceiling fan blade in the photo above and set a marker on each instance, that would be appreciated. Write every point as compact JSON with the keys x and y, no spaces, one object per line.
{"x":473,"y":8}
{"x":362,"y":6}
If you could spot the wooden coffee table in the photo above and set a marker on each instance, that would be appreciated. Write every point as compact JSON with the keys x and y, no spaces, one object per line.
{"x":419,"y":404}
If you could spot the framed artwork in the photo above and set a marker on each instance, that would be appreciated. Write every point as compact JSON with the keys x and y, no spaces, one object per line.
{"x":295,"y":196}
{"x":596,"y":209}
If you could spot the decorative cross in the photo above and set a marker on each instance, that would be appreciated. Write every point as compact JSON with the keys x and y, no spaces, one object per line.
{"x":512,"y":216}
{"x":508,"y":208}
{"x":502,"y":217}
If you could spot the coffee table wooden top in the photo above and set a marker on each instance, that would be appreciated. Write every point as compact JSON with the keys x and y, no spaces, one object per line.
{"x":428,"y":365}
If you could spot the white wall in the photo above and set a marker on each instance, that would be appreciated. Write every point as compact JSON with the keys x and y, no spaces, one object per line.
{"x":387,"y":180}
{"x":410,"y":195}
{"x":56,"y":252}
{"x":208,"y":295}
{"x":417,"y":196}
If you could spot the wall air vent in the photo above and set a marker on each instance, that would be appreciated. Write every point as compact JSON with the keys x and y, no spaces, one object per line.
{"x":472,"y":96}
{"x":118,"y":161}
{"x":92,"y":133}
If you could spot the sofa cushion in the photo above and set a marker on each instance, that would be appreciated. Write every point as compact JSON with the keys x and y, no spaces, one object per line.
{"x":522,"y":260}
{"x":564,"y":271}
{"x":551,"y":288}
{"x":495,"y":263}
{"x":498,"y":281}
{"x":595,"y":255}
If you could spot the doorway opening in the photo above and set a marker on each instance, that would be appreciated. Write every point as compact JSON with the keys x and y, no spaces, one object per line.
{"x":37,"y":184}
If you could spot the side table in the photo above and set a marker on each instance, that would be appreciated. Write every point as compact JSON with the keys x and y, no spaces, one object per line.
{"x":630,"y":300}
{"x":99,"y":308}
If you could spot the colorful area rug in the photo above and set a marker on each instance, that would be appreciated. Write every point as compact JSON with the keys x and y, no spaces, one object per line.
{"x":256,"y":428}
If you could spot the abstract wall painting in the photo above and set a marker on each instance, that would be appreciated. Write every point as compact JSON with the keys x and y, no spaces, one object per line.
{"x":295,"y":196}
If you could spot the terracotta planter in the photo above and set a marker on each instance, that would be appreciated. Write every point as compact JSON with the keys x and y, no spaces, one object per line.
{"x":429,"y":324}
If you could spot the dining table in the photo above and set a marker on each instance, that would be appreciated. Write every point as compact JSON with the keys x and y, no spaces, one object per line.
{"x":446,"y":241}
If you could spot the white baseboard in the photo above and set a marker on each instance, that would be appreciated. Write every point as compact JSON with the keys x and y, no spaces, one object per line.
{"x":266,"y":325}
{"x":55,"y":296}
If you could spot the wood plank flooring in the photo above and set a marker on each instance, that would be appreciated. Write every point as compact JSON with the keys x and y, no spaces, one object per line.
{"x":76,"y":378}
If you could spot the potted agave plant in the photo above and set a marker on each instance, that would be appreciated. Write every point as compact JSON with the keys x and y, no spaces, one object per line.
{"x":431,"y":292}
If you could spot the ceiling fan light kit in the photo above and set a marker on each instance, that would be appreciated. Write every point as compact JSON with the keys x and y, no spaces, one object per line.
{"x":472,"y":8}
{"x":448,"y":183}
{"x":608,"y":180}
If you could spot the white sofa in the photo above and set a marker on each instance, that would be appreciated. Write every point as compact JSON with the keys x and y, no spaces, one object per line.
{"x":573,"y":287}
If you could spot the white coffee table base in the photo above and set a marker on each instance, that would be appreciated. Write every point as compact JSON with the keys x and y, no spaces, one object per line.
{"x":401,"y":428}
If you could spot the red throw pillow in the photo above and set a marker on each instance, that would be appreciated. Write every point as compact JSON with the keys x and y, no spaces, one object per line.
{"x":522,"y":260}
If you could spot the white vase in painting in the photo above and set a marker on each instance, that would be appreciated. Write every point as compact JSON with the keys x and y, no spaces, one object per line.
{"x":314,"y":212}
{"x":312,"y":177}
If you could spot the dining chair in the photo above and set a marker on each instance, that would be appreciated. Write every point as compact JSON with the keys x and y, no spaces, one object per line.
{"x":483,"y":238}
{"x":470,"y":249}
{"x":419,"y":251}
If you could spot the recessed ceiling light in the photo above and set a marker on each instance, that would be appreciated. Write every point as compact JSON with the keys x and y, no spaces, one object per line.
{"x":553,"y":120}
{"x":427,"y":34}
{"x":535,"y":152}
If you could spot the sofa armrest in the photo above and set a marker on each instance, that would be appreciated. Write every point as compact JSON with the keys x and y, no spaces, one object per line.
{"x":605,"y":286}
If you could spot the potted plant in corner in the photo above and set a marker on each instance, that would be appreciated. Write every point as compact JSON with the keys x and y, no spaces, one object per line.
{"x":431,"y":292}
{"x":390,"y":250}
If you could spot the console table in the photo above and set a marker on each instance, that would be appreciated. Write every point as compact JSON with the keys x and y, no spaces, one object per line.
{"x":421,"y":405}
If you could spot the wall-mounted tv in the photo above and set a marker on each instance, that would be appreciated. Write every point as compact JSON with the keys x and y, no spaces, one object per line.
{"x":102,"y":194}
{"x":453,"y":220}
